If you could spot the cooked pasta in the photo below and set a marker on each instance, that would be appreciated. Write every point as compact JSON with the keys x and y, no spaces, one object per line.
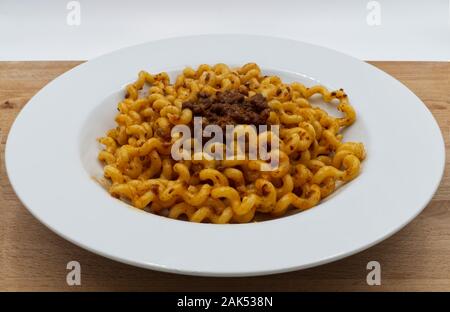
{"x":313,"y":158}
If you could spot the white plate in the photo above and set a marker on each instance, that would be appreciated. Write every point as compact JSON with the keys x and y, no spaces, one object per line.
{"x":51,"y":157}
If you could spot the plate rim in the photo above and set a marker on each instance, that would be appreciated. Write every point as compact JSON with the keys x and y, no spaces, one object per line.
{"x":205,"y":273}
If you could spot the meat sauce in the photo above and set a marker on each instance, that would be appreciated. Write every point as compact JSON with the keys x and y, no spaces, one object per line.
{"x":230,"y":108}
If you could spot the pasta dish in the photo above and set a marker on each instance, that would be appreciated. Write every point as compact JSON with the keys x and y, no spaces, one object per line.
{"x":306,"y":157}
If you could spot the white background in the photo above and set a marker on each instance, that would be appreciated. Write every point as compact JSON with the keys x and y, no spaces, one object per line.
{"x":409,"y":30}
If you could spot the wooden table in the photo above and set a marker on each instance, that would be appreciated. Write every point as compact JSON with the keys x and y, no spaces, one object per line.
{"x":34,"y":258}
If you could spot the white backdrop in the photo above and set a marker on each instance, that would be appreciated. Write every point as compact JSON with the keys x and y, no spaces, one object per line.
{"x":371,"y":30}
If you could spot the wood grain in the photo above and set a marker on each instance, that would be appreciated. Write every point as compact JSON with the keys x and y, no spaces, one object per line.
{"x":33,"y":258}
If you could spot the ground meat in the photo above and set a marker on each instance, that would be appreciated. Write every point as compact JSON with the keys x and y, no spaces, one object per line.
{"x":230,"y":108}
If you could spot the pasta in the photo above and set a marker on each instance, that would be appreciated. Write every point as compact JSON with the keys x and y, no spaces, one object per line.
{"x":313,"y":159}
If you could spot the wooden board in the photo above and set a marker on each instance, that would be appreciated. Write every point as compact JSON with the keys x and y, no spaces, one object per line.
{"x":34,"y":258}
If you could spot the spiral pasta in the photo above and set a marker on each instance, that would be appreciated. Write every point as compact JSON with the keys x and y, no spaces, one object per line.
{"x":313,"y":159}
